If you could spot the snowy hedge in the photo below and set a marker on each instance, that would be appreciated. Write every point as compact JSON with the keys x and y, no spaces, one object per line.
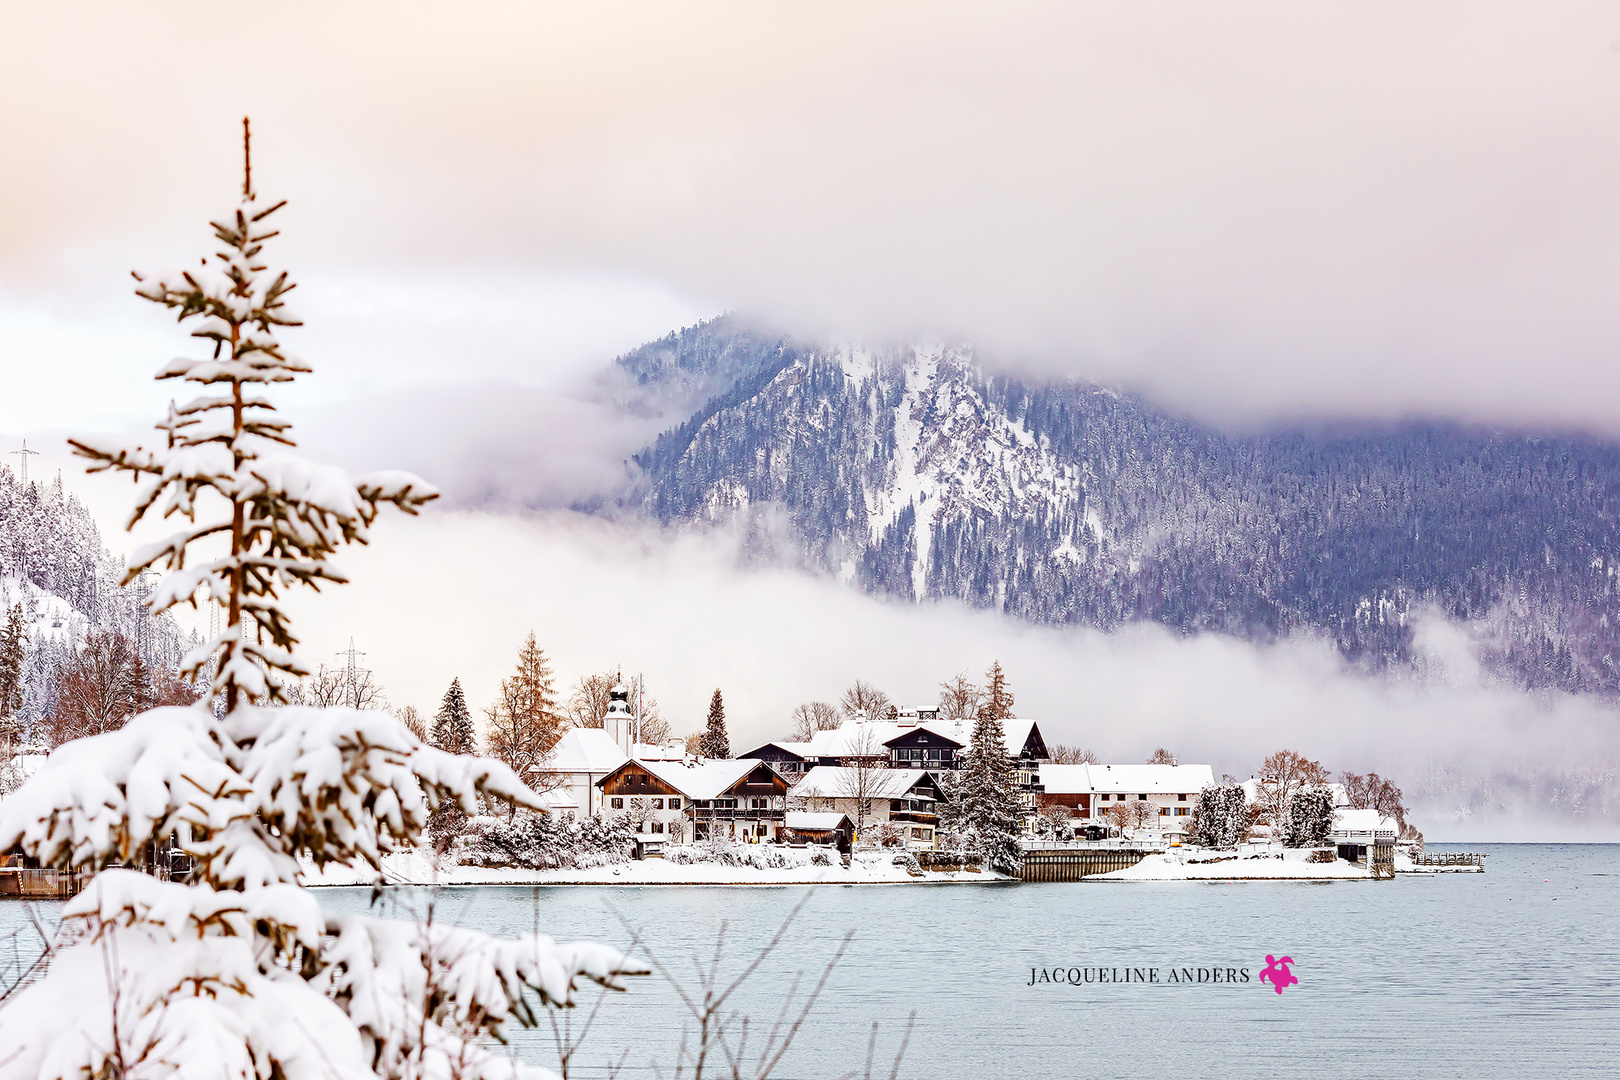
{"x":758,"y":856}
{"x":538,"y":841}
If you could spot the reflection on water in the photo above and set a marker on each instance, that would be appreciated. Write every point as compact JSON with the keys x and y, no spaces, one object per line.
{"x":1513,"y":973}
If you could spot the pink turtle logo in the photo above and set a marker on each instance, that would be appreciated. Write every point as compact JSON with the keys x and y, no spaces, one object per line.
{"x":1277,"y":973}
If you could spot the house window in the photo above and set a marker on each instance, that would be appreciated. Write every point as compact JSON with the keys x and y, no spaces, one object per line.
{"x":617,"y":804}
{"x":658,"y":804}
{"x":1182,"y":811}
{"x":657,"y":827}
{"x":1164,"y":811}
{"x":674,"y":804}
{"x":916,"y":834}
{"x":1181,"y":798}
{"x":1141,"y":798}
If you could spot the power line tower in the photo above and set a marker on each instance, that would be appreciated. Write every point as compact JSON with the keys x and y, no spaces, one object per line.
{"x":22,"y":458}
{"x":352,"y":654}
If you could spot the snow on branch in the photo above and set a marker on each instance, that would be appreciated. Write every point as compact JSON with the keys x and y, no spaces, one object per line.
{"x":280,"y":517}
{"x":245,"y":798}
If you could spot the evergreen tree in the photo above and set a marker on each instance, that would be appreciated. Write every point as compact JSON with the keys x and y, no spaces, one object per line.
{"x":452,"y":725}
{"x":525,"y":723}
{"x":984,"y":804}
{"x":13,"y":639}
{"x":237,"y":971}
{"x":279,"y":516}
{"x":1310,"y":816}
{"x":715,"y":743}
{"x":1221,"y":818}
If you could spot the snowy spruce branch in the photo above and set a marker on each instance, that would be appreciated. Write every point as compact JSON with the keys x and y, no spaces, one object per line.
{"x":267,"y":519}
{"x":239,"y":974}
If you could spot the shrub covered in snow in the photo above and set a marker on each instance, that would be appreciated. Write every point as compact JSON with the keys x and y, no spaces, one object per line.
{"x":1310,"y":816}
{"x":1222,"y":816}
{"x":538,"y":841}
{"x":758,"y":856}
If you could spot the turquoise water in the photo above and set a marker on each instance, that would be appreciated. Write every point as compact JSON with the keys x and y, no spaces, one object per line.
{"x":1515,"y":972}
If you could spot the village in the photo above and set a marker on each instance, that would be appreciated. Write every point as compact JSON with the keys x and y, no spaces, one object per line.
{"x":884,"y":784}
{"x":962,"y":790}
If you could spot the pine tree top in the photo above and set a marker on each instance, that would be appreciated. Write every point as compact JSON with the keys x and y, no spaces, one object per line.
{"x":284,"y":515}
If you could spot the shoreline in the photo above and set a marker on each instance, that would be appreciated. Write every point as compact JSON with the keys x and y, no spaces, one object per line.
{"x":416,"y":868}
{"x":420,"y":869}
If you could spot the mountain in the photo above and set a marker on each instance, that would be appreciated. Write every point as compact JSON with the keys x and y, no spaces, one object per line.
{"x":52,"y":562}
{"x":912,"y":474}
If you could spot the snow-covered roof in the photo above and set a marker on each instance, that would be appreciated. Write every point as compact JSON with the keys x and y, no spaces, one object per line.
{"x":1354,"y":823}
{"x":836,"y":782}
{"x":804,"y":821}
{"x":866,"y":738}
{"x":1147,"y":779}
{"x":584,"y":750}
{"x":1018,"y":732}
{"x":1015,"y":731}
{"x":701,"y":779}
{"x":800,"y":748}
{"x":1066,"y":779}
{"x":673,"y":751}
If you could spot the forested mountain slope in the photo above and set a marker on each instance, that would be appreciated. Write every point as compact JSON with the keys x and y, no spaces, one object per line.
{"x":912,"y":474}
{"x":52,"y":562}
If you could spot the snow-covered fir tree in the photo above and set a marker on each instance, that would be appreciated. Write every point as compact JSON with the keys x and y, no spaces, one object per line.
{"x":452,"y":724}
{"x":983,"y":802}
{"x":240,"y":974}
{"x":716,"y":743}
{"x":13,"y":641}
{"x":453,"y":733}
{"x":1310,"y":816}
{"x":1222,"y":816}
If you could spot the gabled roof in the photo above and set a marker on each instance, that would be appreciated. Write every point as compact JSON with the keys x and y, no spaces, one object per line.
{"x":584,"y":750}
{"x":1147,"y":779}
{"x":866,"y":738}
{"x":804,"y":821}
{"x":797,"y":749}
{"x":836,"y":782}
{"x":700,"y":779}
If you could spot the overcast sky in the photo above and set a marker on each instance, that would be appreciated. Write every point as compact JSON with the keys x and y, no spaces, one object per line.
{"x":1253,"y":212}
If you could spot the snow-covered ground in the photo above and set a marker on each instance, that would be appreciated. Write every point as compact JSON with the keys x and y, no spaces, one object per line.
{"x":1249,"y":863}
{"x":867,"y":868}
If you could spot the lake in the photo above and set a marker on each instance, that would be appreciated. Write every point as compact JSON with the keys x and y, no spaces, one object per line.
{"x":1510,"y":973}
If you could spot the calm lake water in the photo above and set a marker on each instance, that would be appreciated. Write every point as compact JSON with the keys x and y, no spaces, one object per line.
{"x":1515,"y":972}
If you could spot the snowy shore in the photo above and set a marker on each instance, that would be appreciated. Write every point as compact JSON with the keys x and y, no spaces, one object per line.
{"x":866,"y":868}
{"x":1256,"y":865}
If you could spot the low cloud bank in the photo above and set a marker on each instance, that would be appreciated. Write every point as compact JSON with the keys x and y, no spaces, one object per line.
{"x":453,"y":594}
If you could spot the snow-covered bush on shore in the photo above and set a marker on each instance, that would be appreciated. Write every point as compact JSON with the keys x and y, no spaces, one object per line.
{"x":1310,"y":816}
{"x":536,"y":841}
{"x":1222,"y":817}
{"x":757,"y":856}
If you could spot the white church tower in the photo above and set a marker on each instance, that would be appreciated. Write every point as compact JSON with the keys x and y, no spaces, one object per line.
{"x":619,"y":722}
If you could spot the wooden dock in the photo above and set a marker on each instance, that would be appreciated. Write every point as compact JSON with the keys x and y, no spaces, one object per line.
{"x":1450,"y":858}
{"x":20,"y":883}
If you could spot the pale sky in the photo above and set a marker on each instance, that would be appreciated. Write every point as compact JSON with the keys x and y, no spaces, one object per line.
{"x":1253,"y":212}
